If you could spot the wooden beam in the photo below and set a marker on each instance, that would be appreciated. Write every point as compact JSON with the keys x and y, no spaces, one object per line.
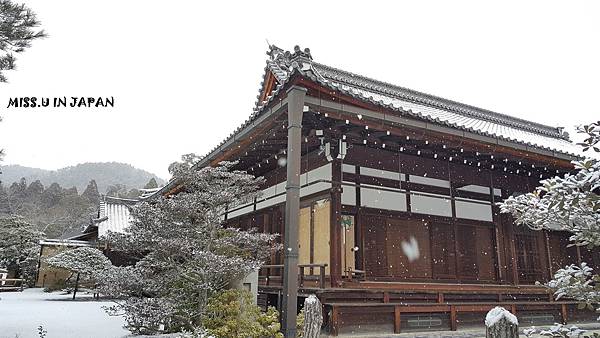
{"x":345,"y":99}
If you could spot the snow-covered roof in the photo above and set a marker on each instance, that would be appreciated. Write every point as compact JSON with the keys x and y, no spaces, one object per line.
{"x":407,"y":102}
{"x":115,"y":213}
{"x":65,"y":242}
{"x":419,"y":105}
{"x":147,"y":192}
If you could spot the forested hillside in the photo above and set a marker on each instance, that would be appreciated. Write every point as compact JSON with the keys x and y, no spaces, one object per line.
{"x":59,"y":202}
{"x":105,"y":174}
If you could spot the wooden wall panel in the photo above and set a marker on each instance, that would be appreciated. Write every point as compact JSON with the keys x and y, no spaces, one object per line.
{"x":466,"y":252}
{"x":485,"y":253}
{"x":321,"y":234}
{"x":443,"y":254}
{"x":374,"y":250}
{"x":384,"y":255}
{"x":561,"y":254}
{"x":304,"y":236}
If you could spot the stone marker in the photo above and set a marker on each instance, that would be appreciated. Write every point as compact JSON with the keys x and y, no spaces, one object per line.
{"x":500,"y":323}
{"x":313,"y":317}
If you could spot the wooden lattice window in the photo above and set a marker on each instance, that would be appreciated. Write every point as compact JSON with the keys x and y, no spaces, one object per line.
{"x":528,"y":257}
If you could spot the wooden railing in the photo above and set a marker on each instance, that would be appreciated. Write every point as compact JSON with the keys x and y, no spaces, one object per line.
{"x":320,"y":276}
{"x":12,"y":284}
{"x":302,"y":276}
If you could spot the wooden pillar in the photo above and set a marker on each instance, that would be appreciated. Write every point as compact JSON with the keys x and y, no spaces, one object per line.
{"x":358,"y":226}
{"x":295,"y":97}
{"x":453,"y":322}
{"x":396,"y":319}
{"x":334,"y":321}
{"x":512,"y":249}
{"x":548,"y":253}
{"x":564,"y":313}
{"x":335,"y":246}
{"x":498,"y":234}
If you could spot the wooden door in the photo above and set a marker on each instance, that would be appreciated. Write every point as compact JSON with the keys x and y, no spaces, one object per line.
{"x":374,"y":248}
{"x":443,"y":253}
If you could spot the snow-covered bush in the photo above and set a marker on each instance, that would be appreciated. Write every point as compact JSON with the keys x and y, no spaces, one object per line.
{"x":570,"y":203}
{"x":184,"y":252}
{"x":87,"y":261}
{"x":86,"y":265}
{"x":556,"y":330}
{"x":19,"y":247}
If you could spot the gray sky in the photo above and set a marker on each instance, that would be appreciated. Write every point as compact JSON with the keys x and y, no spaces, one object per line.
{"x":185,"y":74}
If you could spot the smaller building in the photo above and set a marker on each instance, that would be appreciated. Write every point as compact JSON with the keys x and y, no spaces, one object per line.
{"x":113,"y":215}
{"x":49,"y":276}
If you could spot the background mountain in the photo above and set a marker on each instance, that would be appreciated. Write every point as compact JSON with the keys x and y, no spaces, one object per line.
{"x":61,"y":202}
{"x":106,"y":174}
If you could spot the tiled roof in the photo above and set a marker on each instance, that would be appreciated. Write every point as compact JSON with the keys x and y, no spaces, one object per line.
{"x":117,"y":214}
{"x":419,"y":105}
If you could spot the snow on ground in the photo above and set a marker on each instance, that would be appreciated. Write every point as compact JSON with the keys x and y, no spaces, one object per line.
{"x":22,"y":312}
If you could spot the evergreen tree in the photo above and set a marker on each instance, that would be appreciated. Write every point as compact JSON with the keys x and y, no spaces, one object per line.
{"x":16,"y":33}
{"x":19,"y":246}
{"x":91,"y":193}
{"x":185,"y":252}
{"x":17,"y":190}
{"x":34,"y":190}
{"x":52,"y":195}
{"x":4,"y":201}
{"x":151,"y":184}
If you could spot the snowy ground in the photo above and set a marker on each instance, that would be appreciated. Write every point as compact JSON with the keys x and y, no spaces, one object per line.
{"x":22,"y":312}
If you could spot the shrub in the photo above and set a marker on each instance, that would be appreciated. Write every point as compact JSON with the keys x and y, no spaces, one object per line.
{"x":232,"y":314}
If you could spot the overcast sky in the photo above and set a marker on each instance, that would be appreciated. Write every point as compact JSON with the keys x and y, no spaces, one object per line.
{"x":184,"y":74}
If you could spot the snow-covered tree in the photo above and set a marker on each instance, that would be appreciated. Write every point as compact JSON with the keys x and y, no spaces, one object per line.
{"x":185,"y":252}
{"x":570,"y":203}
{"x":86,"y":263}
{"x":19,"y":246}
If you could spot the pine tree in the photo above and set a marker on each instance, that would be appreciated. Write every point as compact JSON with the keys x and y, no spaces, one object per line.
{"x":34,"y":190}
{"x":19,"y":246}
{"x":91,"y":193}
{"x":16,"y":33}
{"x":52,"y":195}
{"x":151,"y":184}
{"x":4,"y":201}
{"x":185,"y":252}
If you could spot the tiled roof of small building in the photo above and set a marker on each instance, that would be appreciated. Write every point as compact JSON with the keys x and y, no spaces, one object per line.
{"x":116,"y":214}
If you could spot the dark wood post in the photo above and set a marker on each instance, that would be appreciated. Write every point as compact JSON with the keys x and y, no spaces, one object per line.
{"x":335,"y":257}
{"x":295,"y":98}
{"x":76,"y":286}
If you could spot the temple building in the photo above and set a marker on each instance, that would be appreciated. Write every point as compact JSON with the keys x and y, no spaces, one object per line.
{"x":390,"y":195}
